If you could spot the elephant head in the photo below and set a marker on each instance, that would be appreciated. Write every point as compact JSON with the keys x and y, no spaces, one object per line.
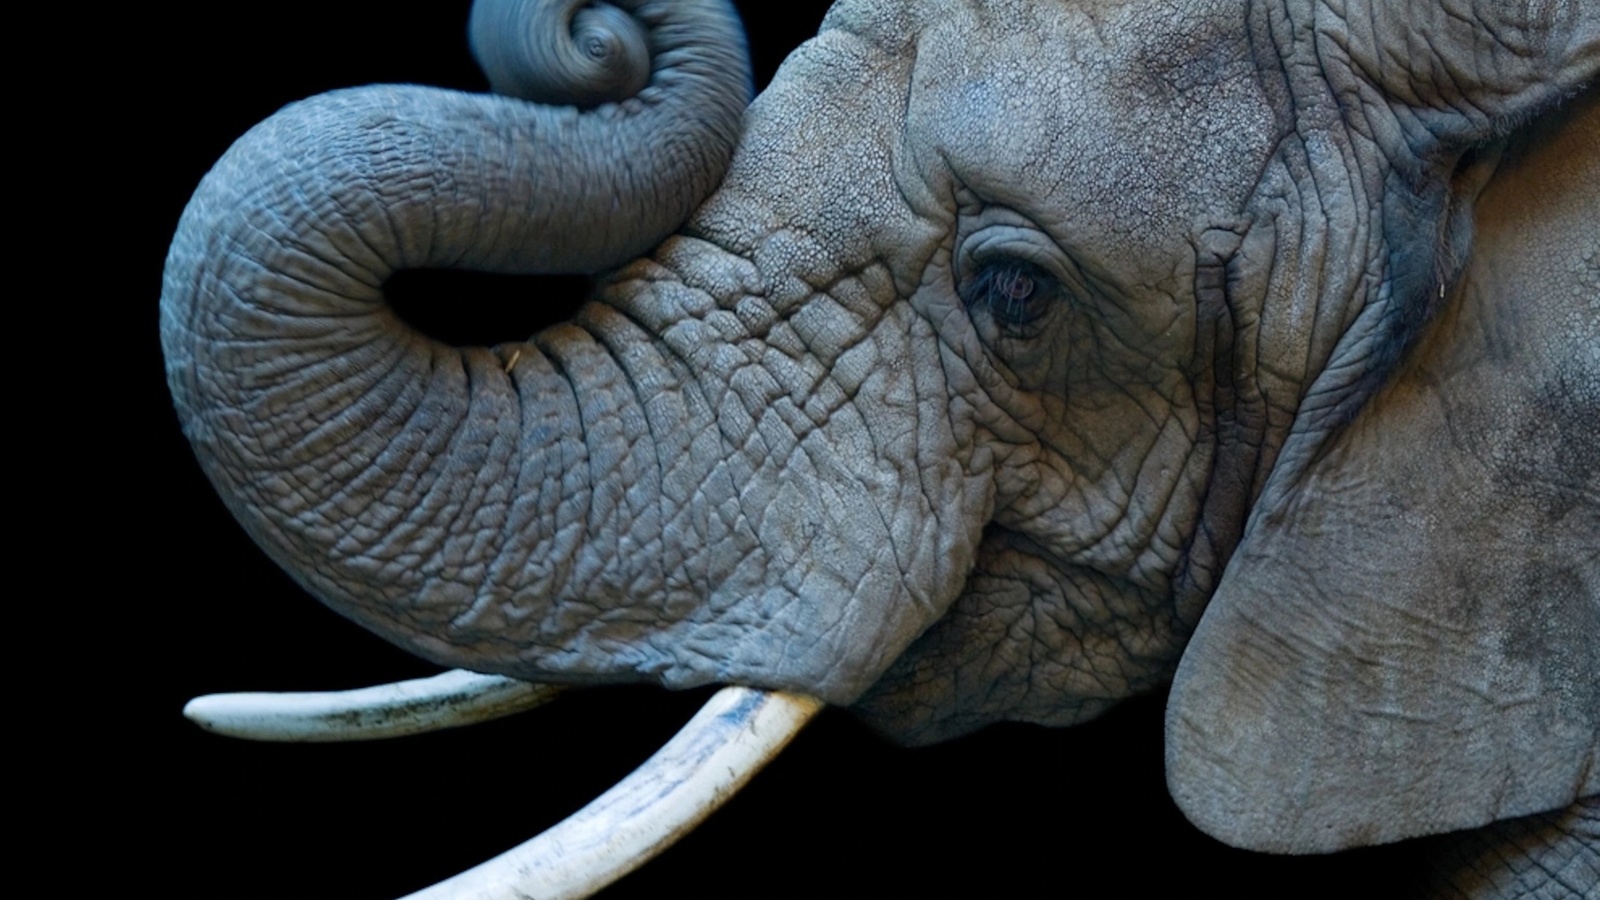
{"x":1027,"y":357}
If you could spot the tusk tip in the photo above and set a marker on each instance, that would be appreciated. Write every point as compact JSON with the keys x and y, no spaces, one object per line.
{"x":449,"y":700}
{"x":197,"y":711}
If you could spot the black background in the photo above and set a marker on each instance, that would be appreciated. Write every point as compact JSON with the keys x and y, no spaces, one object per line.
{"x":186,"y":605}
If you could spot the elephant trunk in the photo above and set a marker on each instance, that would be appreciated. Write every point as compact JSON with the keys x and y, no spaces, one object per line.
{"x":389,"y":473}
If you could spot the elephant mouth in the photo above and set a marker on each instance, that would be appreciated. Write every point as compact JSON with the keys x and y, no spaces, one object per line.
{"x":733,"y":736}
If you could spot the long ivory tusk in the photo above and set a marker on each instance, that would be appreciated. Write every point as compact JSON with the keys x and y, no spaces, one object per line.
{"x":738,"y":731}
{"x":450,"y":700}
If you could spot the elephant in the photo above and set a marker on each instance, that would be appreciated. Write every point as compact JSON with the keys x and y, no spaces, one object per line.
{"x":1359,"y":393}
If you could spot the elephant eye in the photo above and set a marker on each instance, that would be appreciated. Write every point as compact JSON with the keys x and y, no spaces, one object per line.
{"x":1016,"y":295}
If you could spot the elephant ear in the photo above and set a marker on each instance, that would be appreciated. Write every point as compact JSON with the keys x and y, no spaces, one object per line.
{"x":1407,"y":639}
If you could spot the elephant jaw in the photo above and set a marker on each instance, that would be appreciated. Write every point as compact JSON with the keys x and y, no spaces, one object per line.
{"x":736,"y":733}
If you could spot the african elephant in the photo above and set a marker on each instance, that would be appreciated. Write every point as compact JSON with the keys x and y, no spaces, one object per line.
{"x":1206,"y":315}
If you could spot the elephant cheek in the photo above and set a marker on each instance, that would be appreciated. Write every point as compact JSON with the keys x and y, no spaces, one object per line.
{"x":1031,"y":638}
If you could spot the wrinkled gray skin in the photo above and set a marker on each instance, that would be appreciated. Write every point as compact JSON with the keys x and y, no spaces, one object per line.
{"x":1310,"y":349}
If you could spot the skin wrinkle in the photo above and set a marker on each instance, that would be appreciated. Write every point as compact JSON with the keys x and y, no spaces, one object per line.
{"x":1114,"y":529}
{"x":656,"y":440}
{"x":682,"y":364}
{"x":802,"y":445}
{"x":613,"y":521}
{"x":488,"y":591}
{"x":352,"y":486}
{"x":831,"y":373}
{"x":264,"y":462}
{"x":489,"y":474}
{"x":1299,"y":171}
{"x":355,"y":486}
{"x":1335,"y":389}
{"x":558,"y":567}
{"x":400,"y":190}
{"x":420,"y":490}
{"x":1033,"y":635}
{"x":344,"y":213}
{"x":1313,"y":189}
{"x":1308,"y":141}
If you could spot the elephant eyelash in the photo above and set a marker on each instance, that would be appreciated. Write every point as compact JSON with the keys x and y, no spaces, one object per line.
{"x":1015,"y":295}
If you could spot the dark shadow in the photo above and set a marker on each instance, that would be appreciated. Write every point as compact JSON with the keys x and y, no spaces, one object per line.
{"x":477,"y":309}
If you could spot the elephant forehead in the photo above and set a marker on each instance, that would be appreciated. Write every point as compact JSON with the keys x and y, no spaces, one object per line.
{"x":815,"y":164}
{"x":1116,"y":127}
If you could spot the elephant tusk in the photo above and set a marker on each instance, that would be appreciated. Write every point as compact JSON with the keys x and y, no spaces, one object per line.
{"x":449,"y":700}
{"x":710,"y":759}
{"x":738,"y":731}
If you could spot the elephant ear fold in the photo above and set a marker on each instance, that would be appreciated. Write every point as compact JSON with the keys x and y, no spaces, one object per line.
{"x":1459,"y":73}
{"x":1407,"y":639}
